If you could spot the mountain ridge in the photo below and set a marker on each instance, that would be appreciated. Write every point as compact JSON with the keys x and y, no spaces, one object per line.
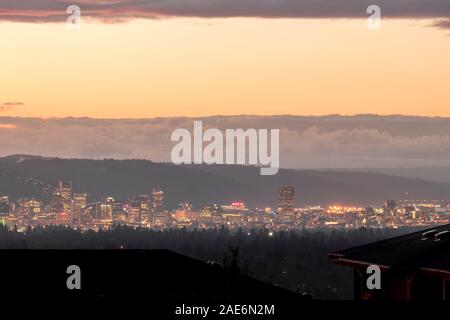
{"x":202,"y":184}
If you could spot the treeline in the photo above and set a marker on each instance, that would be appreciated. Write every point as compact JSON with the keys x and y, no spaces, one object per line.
{"x":296,"y":260}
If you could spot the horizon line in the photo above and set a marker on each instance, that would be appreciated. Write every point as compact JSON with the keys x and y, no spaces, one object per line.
{"x":357,"y":169}
{"x":355,"y":115}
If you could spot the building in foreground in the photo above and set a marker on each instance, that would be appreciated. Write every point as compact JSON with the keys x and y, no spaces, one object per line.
{"x":414,"y":266}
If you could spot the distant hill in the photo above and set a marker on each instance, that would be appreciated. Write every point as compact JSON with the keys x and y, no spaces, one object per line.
{"x":435,"y":173}
{"x":27,"y":176}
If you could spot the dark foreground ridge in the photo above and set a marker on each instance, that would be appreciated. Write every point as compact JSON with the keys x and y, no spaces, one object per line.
{"x":158,"y":283}
{"x":161,"y":279}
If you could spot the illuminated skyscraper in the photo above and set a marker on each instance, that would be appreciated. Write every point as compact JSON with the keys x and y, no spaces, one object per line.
{"x":285,"y":203}
{"x":285,"y":198}
{"x":134,"y":212}
{"x":104,"y":210}
{"x":57,"y":202}
{"x":79,"y":202}
{"x":157,"y":200}
{"x":62,"y":198}
{"x":157,"y":215}
{"x":143,"y":202}
{"x":119,"y":214}
{"x":4,"y":206}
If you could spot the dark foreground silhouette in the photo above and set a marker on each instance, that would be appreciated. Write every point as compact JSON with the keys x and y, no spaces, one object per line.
{"x":164,"y":282}
{"x":296,"y":261}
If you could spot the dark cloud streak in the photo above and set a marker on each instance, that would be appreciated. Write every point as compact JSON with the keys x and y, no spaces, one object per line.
{"x":443,"y":24}
{"x":122,"y":10}
{"x":6,"y":106}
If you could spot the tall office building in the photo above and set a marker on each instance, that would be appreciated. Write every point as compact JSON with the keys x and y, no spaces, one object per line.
{"x":119,"y":214}
{"x":285,"y":204}
{"x":62,"y":197}
{"x":79,"y":202}
{"x":144,"y":203}
{"x":4,"y":206}
{"x":134,"y":212}
{"x":157,"y":216}
{"x":285,"y":200}
{"x":104,"y":210}
{"x":157,"y":200}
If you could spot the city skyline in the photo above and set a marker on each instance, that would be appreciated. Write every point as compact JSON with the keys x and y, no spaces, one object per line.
{"x":80,"y":211}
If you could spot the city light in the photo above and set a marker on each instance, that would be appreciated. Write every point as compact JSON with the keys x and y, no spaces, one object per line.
{"x":83,"y":212}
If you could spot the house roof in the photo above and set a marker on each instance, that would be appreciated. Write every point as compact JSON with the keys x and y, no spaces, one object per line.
{"x":152,"y":275}
{"x":422,"y":250}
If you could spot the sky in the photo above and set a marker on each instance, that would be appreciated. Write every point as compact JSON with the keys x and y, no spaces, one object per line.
{"x":144,"y":59}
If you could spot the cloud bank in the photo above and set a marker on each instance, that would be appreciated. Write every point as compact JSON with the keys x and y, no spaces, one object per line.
{"x":121,"y":10}
{"x":305,"y":142}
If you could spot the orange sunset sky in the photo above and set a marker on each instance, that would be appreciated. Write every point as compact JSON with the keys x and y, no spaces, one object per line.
{"x":190,"y":66}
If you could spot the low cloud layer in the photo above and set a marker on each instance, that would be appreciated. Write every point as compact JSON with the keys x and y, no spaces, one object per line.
{"x":121,"y":10}
{"x":305,"y":142}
